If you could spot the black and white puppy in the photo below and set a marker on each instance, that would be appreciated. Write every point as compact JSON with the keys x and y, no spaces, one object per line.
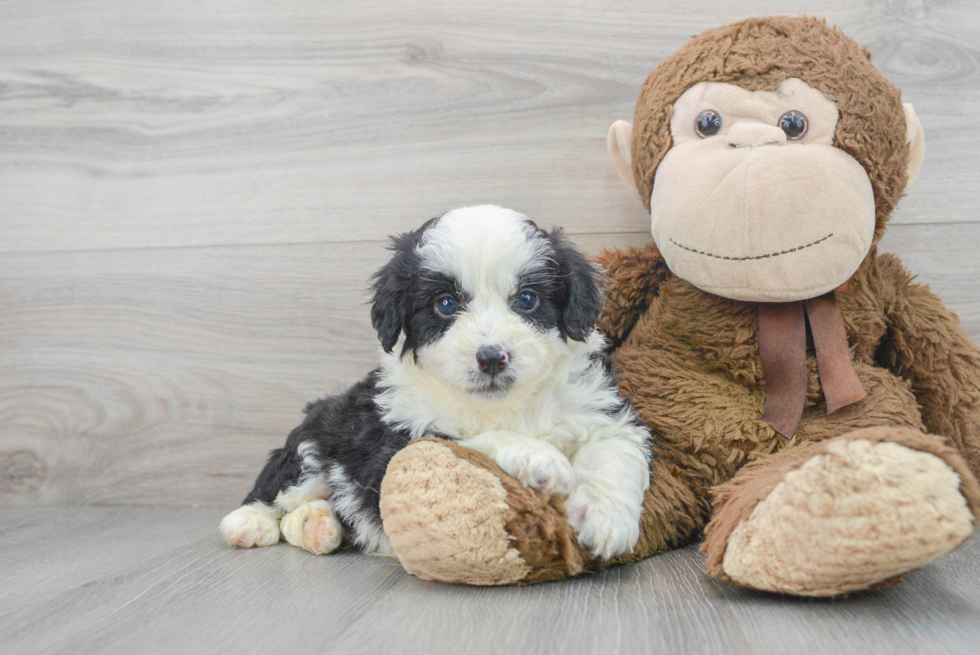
{"x":487,"y":330}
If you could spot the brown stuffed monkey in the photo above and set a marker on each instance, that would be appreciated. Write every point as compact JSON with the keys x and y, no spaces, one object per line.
{"x":817,"y":413}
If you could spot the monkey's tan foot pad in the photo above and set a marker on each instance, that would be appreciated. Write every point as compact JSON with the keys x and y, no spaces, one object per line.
{"x":314,"y":527}
{"x":861,"y":510}
{"x":453,"y":515}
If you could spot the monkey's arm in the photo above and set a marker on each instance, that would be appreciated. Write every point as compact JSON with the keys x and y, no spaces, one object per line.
{"x":633,"y":280}
{"x":926,"y":346}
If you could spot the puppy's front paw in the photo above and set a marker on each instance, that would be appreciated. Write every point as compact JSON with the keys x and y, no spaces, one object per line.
{"x":606,"y":529}
{"x":539,"y":466}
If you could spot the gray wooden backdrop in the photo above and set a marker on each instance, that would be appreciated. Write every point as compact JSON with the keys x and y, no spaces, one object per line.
{"x":194,"y":194}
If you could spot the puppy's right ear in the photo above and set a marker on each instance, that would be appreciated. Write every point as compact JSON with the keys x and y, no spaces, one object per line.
{"x":581,"y":296}
{"x":391,"y":307}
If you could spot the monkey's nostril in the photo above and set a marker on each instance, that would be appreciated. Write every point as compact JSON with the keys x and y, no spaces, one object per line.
{"x":491,"y":359}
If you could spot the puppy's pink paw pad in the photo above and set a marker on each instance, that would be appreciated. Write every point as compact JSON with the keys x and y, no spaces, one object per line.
{"x":322,"y":532}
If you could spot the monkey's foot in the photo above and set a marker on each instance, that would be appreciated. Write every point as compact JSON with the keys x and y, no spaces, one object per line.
{"x":849,"y":514}
{"x":453,"y":515}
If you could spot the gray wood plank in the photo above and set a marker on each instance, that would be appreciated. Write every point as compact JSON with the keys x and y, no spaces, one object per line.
{"x":160,"y":580}
{"x":172,"y":124}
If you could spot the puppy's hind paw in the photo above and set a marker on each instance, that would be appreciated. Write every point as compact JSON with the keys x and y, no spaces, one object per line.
{"x":314,"y":527}
{"x":250,"y":526}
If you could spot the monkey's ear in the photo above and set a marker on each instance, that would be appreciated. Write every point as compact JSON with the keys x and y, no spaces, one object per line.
{"x":619,"y":141}
{"x":917,"y":142}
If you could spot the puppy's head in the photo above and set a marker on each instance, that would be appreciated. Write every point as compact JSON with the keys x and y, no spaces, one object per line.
{"x":484,"y":301}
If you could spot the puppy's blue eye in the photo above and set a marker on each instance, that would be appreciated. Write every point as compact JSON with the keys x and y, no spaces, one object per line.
{"x":527,"y":300}
{"x":447,"y":306}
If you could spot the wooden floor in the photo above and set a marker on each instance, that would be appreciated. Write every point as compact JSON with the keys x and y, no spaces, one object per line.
{"x":193,"y":196}
{"x":161,"y":580}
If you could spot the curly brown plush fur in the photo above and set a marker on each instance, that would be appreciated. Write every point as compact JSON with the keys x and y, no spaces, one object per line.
{"x":849,"y":489}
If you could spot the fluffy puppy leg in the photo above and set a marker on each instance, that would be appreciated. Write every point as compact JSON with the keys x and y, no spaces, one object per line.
{"x":611,"y":477}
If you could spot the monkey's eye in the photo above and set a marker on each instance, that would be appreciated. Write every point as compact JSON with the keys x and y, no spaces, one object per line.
{"x":527,"y":301}
{"x":446,"y":306}
{"x":708,"y":123}
{"x":794,"y":124}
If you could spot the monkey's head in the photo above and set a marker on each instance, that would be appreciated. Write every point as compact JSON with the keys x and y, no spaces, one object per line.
{"x":770,"y":154}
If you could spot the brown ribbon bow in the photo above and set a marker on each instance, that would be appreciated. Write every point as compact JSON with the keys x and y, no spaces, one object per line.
{"x":782,"y":348}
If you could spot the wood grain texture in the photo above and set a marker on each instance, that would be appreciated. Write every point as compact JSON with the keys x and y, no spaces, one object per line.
{"x":241,"y":122}
{"x":161,"y":580}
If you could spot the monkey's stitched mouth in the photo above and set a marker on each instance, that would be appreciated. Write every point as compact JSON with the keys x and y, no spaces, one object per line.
{"x":745,"y":259}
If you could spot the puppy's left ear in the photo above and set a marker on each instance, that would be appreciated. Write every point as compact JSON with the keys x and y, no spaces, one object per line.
{"x":580,"y":298}
{"x":391,"y":306}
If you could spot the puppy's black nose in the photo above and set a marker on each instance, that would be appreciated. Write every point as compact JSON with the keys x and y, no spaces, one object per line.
{"x":491,"y":359}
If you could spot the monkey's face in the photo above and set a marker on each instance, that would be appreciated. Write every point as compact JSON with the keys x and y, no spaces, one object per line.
{"x":770,"y":154}
{"x":753,"y":202}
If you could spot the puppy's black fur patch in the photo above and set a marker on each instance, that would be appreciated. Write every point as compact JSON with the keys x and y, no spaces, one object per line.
{"x":580,"y":296}
{"x":424,"y":325}
{"x":568,"y":288}
{"x":392,"y":304}
{"x":345,"y":430}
